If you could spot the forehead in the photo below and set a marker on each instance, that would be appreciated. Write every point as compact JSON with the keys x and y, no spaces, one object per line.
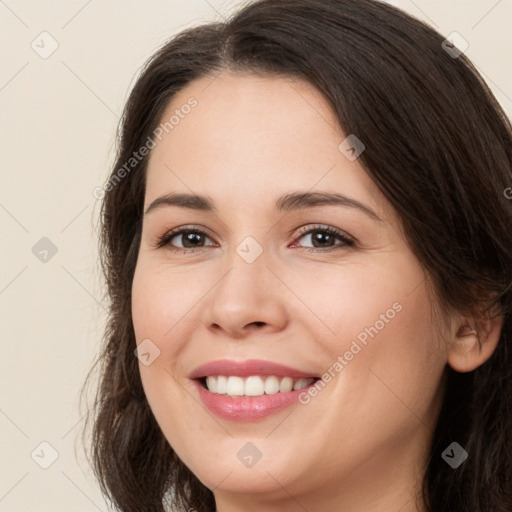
{"x":257,"y":135}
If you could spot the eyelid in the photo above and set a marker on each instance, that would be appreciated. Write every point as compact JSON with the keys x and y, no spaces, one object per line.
{"x":163,"y":240}
{"x":304,"y":230}
{"x":347,"y":241}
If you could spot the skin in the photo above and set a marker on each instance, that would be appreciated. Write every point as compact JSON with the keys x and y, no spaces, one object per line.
{"x":360,"y":444}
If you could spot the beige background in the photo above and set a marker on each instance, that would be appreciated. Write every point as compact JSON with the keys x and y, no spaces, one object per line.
{"x":58,"y":120}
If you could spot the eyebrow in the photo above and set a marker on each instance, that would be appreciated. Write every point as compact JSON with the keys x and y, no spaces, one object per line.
{"x":286,"y":203}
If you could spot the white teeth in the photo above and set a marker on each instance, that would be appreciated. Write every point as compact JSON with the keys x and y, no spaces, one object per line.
{"x":222,"y":384}
{"x":286,"y":385}
{"x":271,"y":385}
{"x":211,"y":384}
{"x":254,"y":385}
{"x":301,"y":383}
{"x":235,"y":386}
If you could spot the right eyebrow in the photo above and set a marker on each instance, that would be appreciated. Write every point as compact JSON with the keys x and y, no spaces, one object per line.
{"x":192,"y":201}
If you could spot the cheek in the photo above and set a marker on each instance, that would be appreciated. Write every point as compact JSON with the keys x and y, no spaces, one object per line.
{"x":356,"y":303}
{"x":383,"y":350}
{"x":159,"y":312}
{"x":161,"y":306}
{"x":161,"y":298}
{"x":398,"y":368}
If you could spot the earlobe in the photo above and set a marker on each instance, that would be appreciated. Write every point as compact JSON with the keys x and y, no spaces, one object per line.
{"x":474,"y":343}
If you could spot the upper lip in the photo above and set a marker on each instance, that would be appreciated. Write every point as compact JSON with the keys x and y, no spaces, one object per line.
{"x":247,"y":368}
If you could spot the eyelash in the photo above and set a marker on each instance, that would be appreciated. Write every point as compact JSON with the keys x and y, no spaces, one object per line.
{"x":165,"y":239}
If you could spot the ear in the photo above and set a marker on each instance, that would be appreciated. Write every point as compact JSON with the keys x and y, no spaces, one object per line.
{"x":474,"y":342}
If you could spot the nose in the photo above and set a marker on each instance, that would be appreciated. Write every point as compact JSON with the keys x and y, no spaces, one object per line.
{"x":248,"y":298}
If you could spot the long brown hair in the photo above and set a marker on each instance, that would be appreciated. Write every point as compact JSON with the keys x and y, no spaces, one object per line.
{"x":438,"y":146}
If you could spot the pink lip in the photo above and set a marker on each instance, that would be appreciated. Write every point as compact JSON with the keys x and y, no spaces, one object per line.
{"x":246,"y":408}
{"x":248,"y":368}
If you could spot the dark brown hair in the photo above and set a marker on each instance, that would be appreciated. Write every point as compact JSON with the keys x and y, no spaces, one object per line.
{"x":438,"y":146}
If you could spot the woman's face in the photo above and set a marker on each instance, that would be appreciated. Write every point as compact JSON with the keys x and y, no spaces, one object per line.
{"x":257,"y":277}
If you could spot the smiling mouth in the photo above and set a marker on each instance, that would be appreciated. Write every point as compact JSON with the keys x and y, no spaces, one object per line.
{"x":255,"y":385}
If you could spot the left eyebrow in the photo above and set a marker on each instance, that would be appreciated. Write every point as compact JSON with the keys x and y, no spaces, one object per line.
{"x":299,"y":200}
{"x":287,"y":202}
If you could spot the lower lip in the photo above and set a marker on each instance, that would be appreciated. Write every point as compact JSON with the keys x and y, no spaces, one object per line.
{"x":247,"y":408}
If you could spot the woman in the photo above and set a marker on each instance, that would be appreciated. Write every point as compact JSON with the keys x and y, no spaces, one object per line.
{"x":307,"y":246}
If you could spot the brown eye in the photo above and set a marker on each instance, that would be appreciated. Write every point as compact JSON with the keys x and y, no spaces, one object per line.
{"x":190,"y":239}
{"x":323,"y":237}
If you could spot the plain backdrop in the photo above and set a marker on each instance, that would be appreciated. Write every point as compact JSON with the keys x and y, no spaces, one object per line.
{"x":59,"y":113}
